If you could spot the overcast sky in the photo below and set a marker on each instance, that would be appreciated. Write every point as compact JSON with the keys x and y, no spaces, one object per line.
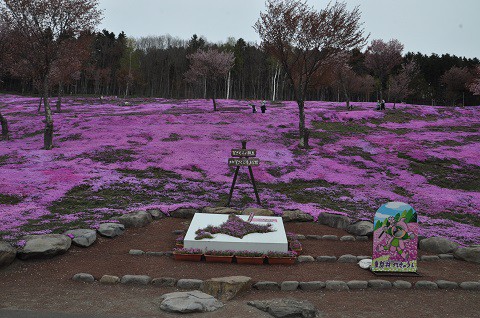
{"x":427,"y":26}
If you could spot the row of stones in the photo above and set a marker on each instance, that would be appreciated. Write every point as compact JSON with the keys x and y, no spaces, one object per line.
{"x":347,"y":258}
{"x":363,"y":284}
{"x":283,"y":286}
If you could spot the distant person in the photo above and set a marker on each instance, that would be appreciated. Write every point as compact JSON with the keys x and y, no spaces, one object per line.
{"x":382,"y":105}
{"x":263,"y":107}
{"x":378,"y":104}
{"x":254,"y":109}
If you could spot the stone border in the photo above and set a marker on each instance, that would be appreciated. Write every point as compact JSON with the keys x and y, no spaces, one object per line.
{"x":361,"y":230}
{"x":347,"y":258}
{"x":334,"y":285}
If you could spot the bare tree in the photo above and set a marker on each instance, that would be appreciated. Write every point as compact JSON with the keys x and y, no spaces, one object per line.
{"x":3,"y":58}
{"x":302,"y":39}
{"x":381,"y":58}
{"x":456,"y":81}
{"x":41,"y":28}
{"x":209,"y":65}
{"x":67,"y":68}
{"x":399,"y":85}
{"x":475,"y":85}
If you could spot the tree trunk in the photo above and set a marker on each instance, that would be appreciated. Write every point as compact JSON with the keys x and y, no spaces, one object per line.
{"x":214,"y":104}
{"x":4,"y":123}
{"x":40,"y":104}
{"x":48,"y":135}
{"x":347,"y":96}
{"x":301,"y":123}
{"x":228,"y":84}
{"x":59,"y":100}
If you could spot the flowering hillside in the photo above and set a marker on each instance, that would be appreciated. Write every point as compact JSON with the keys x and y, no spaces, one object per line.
{"x":110,"y":159}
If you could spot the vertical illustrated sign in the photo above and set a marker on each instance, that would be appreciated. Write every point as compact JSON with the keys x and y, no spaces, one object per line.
{"x":395,"y":239}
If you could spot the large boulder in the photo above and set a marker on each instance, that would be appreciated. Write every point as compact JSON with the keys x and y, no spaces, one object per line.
{"x":469,"y":254}
{"x":361,"y":228}
{"x":438,"y":245}
{"x":188,"y":302}
{"x":258,"y":212}
{"x":334,"y":220}
{"x":82,"y":237}
{"x":135,"y":219}
{"x":111,"y":230}
{"x":220,"y":210}
{"x":296,"y":216}
{"x":286,"y":307}
{"x":44,"y":246}
{"x":183,"y":213}
{"x":226,"y":288}
{"x":7,"y":254}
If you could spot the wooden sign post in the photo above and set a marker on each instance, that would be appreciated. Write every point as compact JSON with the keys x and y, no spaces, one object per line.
{"x":244,"y":159}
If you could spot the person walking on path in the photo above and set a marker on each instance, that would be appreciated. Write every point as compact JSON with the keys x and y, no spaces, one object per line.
{"x":263,"y":107}
{"x":382,"y":105}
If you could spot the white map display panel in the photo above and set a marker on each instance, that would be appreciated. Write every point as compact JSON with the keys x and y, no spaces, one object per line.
{"x":259,"y":242}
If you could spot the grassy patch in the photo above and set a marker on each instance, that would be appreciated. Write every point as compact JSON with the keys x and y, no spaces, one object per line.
{"x":3,"y":159}
{"x":111,"y":155}
{"x":460,"y":218}
{"x":341,"y":127}
{"x":150,"y":173}
{"x":399,"y":131}
{"x":71,"y":137}
{"x":173,"y":137}
{"x":10,"y":199}
{"x":33,"y":134}
{"x":117,"y":196}
{"x":277,"y":172}
{"x":472,"y":128}
{"x":402,"y":191}
{"x":355,"y":151}
{"x":441,"y":173}
{"x":395,"y":116}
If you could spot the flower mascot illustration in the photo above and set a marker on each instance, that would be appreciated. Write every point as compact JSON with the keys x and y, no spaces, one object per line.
{"x":397,"y":232}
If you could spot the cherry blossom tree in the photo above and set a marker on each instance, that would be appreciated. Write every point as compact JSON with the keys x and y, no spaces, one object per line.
{"x":41,"y":29}
{"x":302,"y":38}
{"x":400,"y":84}
{"x":209,"y":65}
{"x":381,"y":58}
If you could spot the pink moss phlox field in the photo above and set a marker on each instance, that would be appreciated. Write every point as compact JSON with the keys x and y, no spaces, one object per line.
{"x":178,"y":150}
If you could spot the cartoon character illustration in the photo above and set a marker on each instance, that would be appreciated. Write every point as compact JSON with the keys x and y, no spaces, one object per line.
{"x":397,"y":232}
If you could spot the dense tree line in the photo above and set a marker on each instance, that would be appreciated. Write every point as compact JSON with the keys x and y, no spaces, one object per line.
{"x":157,"y":67}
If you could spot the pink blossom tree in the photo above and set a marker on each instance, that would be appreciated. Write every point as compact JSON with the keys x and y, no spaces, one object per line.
{"x":381,"y":58}
{"x":399,"y":85}
{"x":209,"y":65}
{"x":41,"y":29}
